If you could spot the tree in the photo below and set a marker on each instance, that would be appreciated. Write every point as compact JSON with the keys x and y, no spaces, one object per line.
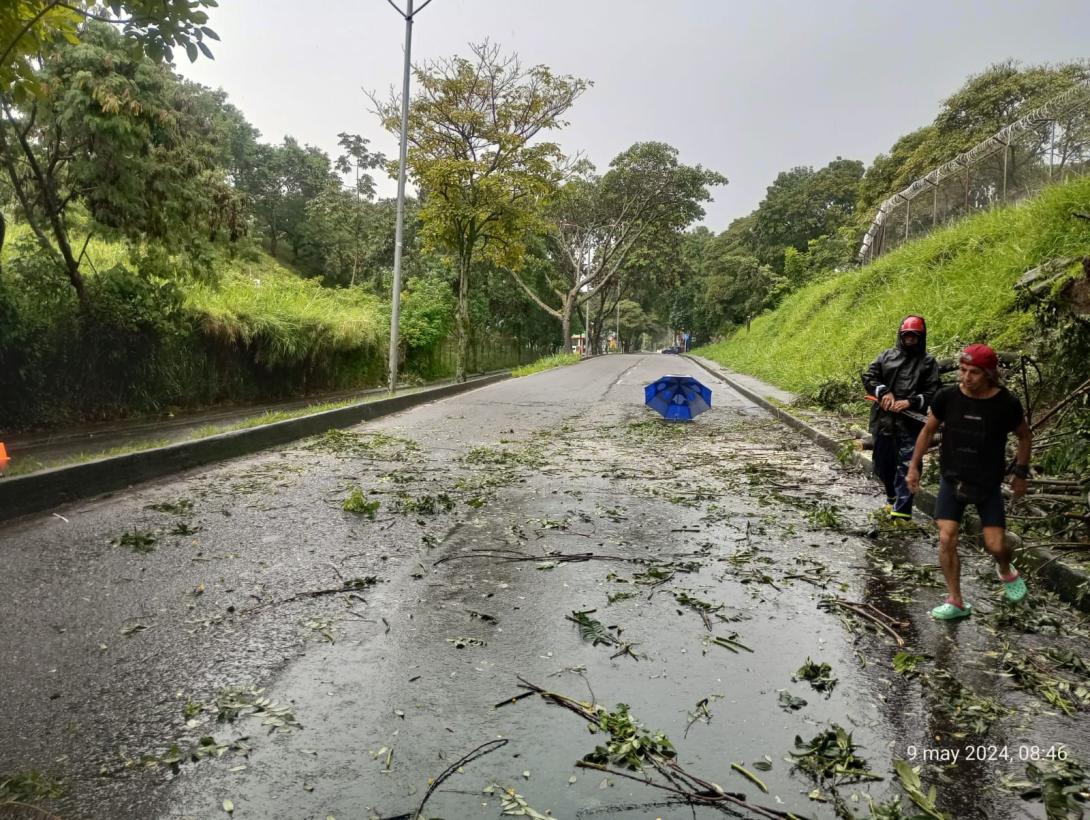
{"x":597,"y":223}
{"x":634,"y":323}
{"x":736,"y":289}
{"x":29,"y":28}
{"x":286,"y":178}
{"x":482,"y":178}
{"x":118,"y":133}
{"x":986,"y":103}
{"x":801,"y":205}
{"x":357,"y":160}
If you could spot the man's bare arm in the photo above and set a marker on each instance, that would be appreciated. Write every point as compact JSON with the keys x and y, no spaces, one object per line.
{"x":923,"y":443}
{"x":1021,"y":457}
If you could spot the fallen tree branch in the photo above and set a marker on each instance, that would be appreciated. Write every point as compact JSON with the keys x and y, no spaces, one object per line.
{"x":349,"y":586}
{"x":680,"y":782}
{"x":559,"y":557}
{"x":867,"y":613}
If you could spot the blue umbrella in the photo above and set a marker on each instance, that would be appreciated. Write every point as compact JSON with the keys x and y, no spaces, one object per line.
{"x":678,"y":398}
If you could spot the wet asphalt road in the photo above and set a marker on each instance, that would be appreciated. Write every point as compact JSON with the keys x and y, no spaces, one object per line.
{"x":390,"y":641}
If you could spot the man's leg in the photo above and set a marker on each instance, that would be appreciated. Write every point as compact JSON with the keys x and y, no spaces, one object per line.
{"x":949,"y":510}
{"x":950,"y":561}
{"x":993,"y":521}
{"x":995,"y":543}
{"x":885,"y":464}
{"x":902,"y":507}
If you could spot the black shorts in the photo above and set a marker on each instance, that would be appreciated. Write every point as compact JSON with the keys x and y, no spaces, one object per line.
{"x":950,"y":504}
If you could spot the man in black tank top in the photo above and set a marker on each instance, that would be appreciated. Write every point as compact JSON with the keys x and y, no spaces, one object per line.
{"x":976,"y":416}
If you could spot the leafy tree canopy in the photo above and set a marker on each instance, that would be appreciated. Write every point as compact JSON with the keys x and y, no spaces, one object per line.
{"x":156,"y":27}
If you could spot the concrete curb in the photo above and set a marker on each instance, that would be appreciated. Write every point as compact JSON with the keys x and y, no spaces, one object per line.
{"x":1066,"y":581}
{"x":50,"y":488}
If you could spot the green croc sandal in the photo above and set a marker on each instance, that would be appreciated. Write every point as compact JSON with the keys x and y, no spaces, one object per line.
{"x":949,"y":612}
{"x":1014,"y":588}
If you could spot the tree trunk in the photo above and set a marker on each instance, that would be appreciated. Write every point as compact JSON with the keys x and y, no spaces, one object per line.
{"x":462,"y":319}
{"x":72,"y":266}
{"x":565,"y":326}
{"x":50,"y":205}
{"x":596,"y":322}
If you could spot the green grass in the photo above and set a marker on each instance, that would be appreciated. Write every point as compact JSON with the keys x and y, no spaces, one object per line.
{"x":25,"y":466}
{"x":273,"y":416}
{"x":960,"y":278}
{"x":257,"y":303}
{"x":546,"y":363}
{"x":263,"y":306}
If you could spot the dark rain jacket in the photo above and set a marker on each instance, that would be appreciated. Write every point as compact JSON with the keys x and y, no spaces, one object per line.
{"x":910,"y":373}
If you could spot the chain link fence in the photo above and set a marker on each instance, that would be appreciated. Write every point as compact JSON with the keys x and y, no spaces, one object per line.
{"x":1050,"y":144}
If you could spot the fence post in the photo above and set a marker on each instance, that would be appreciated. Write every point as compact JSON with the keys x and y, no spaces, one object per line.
{"x":1006,"y":153}
{"x":966,"y":187}
{"x":1051,"y":150}
{"x":908,"y":216}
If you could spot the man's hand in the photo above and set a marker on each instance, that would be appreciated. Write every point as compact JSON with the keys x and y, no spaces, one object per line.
{"x":913,"y":478}
{"x":899,"y":405}
{"x":1018,"y":487}
{"x":887,"y":401}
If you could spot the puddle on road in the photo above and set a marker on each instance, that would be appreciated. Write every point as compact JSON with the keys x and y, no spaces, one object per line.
{"x":711,"y":562}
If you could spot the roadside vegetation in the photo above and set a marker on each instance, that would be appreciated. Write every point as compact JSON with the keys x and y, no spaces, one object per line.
{"x":546,"y":363}
{"x":961,"y":278}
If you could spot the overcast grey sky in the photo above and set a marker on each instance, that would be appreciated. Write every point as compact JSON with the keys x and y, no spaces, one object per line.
{"x":746,"y":88}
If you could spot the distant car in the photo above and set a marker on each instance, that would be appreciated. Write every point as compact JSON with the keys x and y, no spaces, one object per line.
{"x":674,"y":349}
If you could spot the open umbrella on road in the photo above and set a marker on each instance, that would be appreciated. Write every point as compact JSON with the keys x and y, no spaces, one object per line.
{"x":678,"y":398}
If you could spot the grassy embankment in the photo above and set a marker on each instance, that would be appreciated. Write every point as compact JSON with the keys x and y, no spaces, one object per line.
{"x":960,"y":278}
{"x":253,"y":330}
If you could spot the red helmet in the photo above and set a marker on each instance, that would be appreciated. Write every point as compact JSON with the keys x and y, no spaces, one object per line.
{"x":912,"y":324}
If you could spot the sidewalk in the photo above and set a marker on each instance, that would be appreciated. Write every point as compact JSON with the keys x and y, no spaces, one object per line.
{"x":40,"y":490}
{"x":1070,"y":582}
{"x":37,"y":450}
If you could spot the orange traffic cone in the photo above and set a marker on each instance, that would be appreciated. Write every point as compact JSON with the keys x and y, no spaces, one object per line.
{"x":4,"y":460}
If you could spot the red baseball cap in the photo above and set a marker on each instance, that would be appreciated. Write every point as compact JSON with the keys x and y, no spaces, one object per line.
{"x":981,"y":356}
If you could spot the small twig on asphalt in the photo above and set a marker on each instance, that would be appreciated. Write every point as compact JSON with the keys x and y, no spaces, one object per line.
{"x":626,"y":649}
{"x":480,"y":751}
{"x":513,"y":699}
{"x":334,"y":568}
{"x":314,"y":593}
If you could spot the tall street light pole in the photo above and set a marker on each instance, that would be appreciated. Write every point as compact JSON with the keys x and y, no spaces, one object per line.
{"x":395,"y":306}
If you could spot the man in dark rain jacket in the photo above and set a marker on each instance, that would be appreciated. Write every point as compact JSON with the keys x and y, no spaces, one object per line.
{"x":902,"y":378}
